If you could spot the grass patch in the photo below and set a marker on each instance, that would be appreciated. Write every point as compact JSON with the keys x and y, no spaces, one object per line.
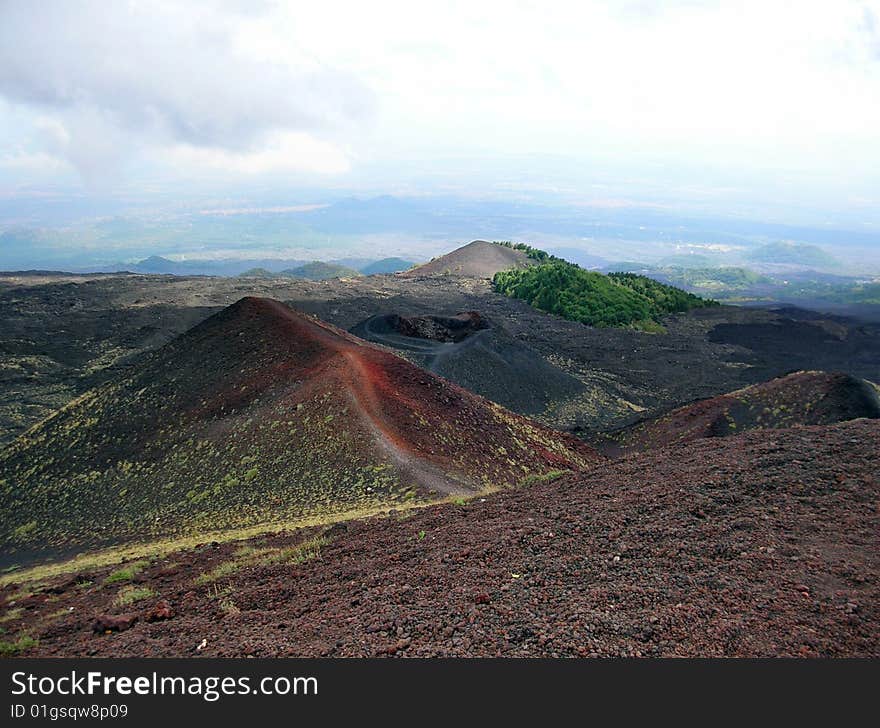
{"x":12,"y":614}
{"x":162,"y":547}
{"x":243,"y":552}
{"x":227,"y":606}
{"x":251,"y":556}
{"x":294,"y":554}
{"x":26,"y":592}
{"x":227,"y":568}
{"x":24,"y":642}
{"x":126,"y":573}
{"x":132,"y":594}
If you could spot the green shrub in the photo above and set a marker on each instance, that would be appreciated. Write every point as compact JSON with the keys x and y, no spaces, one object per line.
{"x":595,"y":299}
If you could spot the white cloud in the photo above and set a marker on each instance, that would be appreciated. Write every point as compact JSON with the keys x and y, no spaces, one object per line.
{"x":285,"y":152}
{"x":119,"y":79}
{"x":30,"y":163}
{"x":760,"y":85}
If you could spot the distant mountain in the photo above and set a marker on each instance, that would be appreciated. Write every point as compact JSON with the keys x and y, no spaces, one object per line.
{"x":257,"y":415}
{"x":797,"y":254}
{"x":320,"y":271}
{"x":316,"y":270}
{"x":479,"y":259}
{"x":386,"y":265}
{"x":156,"y":264}
{"x":257,"y":273}
{"x":710,"y":279}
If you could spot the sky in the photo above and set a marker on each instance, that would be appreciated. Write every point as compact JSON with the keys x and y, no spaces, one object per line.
{"x":735,"y":104}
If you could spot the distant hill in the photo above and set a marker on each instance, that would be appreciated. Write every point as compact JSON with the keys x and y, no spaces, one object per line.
{"x":802,"y":398}
{"x":258,"y":414}
{"x":156,"y":264}
{"x":257,"y":273}
{"x":320,"y":271}
{"x":798,"y":254}
{"x":479,"y":259}
{"x":387,"y":265}
{"x":626,"y":266}
{"x":710,"y":279}
{"x":690,"y":260}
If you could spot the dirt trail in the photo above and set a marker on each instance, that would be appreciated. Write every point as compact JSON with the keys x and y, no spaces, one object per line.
{"x":360,"y":384}
{"x":358,"y":379}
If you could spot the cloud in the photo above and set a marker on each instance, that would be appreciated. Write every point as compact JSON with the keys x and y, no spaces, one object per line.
{"x":123,"y":77}
{"x":344,"y":88}
{"x":281,"y":153}
{"x":31,"y":162}
{"x":871,"y":28}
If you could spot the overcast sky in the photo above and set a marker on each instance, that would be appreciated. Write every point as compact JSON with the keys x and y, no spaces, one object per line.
{"x":711,"y":97}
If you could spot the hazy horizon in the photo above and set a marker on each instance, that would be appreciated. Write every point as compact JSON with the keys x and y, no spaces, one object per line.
{"x":215,"y":129}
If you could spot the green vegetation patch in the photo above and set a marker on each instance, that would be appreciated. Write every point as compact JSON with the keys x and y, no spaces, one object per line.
{"x":12,"y":614}
{"x":541,"y":256}
{"x":246,"y":556}
{"x":595,"y":299}
{"x":126,"y":573}
{"x":24,"y":642}
{"x":132,"y":594}
{"x":227,"y":568}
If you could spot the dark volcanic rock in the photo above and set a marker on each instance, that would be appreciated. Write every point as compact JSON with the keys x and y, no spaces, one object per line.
{"x":477,"y":354}
{"x":113,"y":623}
{"x":161,"y":610}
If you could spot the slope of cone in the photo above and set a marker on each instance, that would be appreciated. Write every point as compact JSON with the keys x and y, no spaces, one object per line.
{"x":258,"y":414}
{"x":478,"y":259}
{"x":801,"y":398}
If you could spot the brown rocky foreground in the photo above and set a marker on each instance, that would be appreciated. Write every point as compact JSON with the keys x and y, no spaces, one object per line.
{"x":765,"y":544}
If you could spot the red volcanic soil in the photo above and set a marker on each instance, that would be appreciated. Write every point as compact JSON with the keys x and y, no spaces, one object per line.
{"x":763,"y":544}
{"x":801,"y":398}
{"x":259,"y":414}
{"x":389,"y":393}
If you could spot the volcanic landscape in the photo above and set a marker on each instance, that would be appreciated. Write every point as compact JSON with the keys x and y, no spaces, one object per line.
{"x":416,"y":465}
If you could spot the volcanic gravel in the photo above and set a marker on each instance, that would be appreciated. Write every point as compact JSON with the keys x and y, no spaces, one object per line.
{"x":755,"y":545}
